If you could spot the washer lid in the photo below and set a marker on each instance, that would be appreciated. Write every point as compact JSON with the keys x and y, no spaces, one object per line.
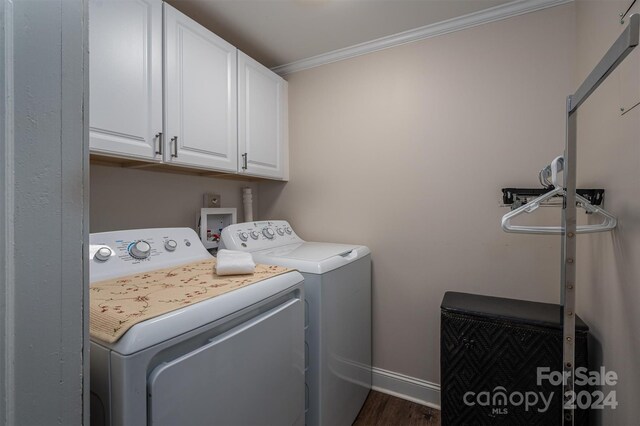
{"x":310,"y":257}
{"x":313,"y":252}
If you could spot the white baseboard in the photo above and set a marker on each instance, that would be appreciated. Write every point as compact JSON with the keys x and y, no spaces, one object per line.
{"x":406,"y":387}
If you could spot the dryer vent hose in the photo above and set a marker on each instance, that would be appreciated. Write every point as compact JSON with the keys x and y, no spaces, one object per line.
{"x":247,"y":200}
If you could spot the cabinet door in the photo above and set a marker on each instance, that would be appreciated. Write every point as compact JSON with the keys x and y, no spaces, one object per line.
{"x":200,"y":95}
{"x":125,"y":43}
{"x":262,"y":120}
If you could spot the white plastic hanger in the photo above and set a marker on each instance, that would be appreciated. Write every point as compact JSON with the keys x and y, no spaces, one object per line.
{"x":557,"y":165}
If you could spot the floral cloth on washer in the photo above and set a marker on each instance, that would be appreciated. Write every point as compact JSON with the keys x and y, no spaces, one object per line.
{"x":118,"y":304}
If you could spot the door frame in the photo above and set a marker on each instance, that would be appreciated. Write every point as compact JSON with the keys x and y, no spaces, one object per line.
{"x":44,"y":212}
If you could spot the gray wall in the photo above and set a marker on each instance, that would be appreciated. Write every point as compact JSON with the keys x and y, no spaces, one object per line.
{"x":44,"y":200}
{"x":124,"y":198}
{"x":405,"y":150}
{"x":5,"y":212}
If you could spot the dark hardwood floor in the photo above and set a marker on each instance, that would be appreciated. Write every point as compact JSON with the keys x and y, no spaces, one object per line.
{"x":385,"y":410}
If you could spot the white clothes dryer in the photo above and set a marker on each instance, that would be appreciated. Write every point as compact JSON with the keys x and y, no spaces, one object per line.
{"x":234,"y":359}
{"x":337,"y":287}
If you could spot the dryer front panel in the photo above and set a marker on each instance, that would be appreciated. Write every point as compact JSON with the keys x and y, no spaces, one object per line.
{"x":217,"y":383}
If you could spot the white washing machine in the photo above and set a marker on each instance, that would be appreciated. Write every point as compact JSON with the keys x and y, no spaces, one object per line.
{"x":234,"y":359}
{"x":337,"y":286}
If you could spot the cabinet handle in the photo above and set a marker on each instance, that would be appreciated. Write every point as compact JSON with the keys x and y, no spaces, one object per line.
{"x":244,"y":161}
{"x":175,"y":146}
{"x":159,"y":137}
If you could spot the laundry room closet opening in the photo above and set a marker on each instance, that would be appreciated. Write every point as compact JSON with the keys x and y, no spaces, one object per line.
{"x":404,"y":150}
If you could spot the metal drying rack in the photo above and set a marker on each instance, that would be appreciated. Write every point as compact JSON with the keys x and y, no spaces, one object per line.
{"x":570,"y":195}
{"x":625,"y":43}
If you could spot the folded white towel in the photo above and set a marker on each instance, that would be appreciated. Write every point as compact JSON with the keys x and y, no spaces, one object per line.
{"x":233,"y":262}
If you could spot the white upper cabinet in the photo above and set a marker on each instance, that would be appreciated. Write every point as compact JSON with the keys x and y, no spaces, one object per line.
{"x":200,"y":77}
{"x":169,"y":90}
{"x":262,"y":120}
{"x":125,"y":51}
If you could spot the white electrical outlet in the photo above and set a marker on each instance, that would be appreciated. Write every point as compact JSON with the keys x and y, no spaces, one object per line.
{"x":211,"y":201}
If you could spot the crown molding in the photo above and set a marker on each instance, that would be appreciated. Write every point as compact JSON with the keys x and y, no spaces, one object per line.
{"x":504,"y":11}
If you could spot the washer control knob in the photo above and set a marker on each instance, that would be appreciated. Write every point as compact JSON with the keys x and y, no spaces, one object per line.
{"x":103,"y":254}
{"x":280,"y":231}
{"x":140,"y":249}
{"x":243,"y":236}
{"x":254,"y":234}
{"x":170,"y":245}
{"x":268,"y":232}
{"x":287,"y":230}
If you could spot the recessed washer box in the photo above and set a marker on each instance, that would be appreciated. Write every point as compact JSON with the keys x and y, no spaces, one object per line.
{"x":215,"y":219}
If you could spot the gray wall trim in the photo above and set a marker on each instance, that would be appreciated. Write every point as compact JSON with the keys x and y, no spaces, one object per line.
{"x":6,"y":214}
{"x":3,"y":263}
{"x":86,"y":228}
{"x":44,"y":213}
{"x":75,"y":182}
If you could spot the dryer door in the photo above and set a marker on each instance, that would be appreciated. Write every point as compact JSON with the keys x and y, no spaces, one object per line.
{"x":251,"y":374}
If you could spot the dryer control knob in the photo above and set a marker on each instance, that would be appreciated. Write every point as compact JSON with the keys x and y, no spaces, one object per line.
{"x":287,"y":230}
{"x":268,"y":232}
{"x":243,"y":236}
{"x":140,"y":249}
{"x":103,"y":254}
{"x":170,"y":245}
{"x":280,"y":231}
{"x":254,"y":235}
